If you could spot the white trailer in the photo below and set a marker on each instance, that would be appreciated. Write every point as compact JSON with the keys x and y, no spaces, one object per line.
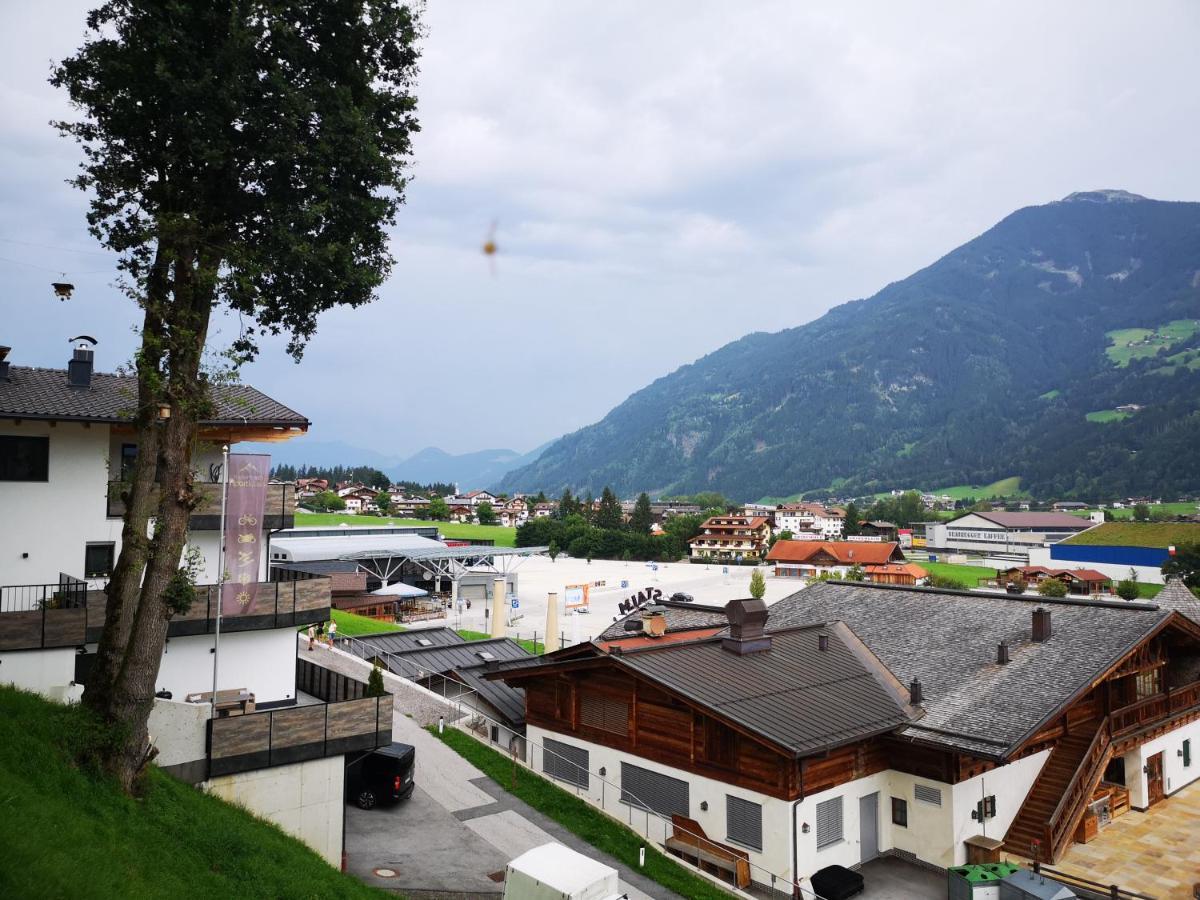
{"x":555,"y":872}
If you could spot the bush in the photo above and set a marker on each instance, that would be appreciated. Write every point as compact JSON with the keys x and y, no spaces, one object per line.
{"x":758,"y":584}
{"x":1052,"y":587}
{"x":1127,"y":589}
{"x":947,"y":583}
{"x":375,"y":682}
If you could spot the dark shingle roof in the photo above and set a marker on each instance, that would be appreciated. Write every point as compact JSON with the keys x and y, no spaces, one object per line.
{"x":1176,"y":595}
{"x":794,"y":694}
{"x":34,"y":393}
{"x":508,"y":701}
{"x":1031,"y":519}
{"x":402,"y":641}
{"x":948,"y":640}
{"x":680,"y":617}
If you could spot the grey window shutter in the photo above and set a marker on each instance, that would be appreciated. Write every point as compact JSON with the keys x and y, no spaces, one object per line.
{"x":743,"y":822}
{"x":566,"y":763}
{"x":829,"y":822}
{"x":651,"y":790}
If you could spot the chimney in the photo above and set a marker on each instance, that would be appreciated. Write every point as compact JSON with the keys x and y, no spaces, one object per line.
{"x":654,"y":621}
{"x":746,"y":621}
{"x":915,"y":695}
{"x":1041,"y":625}
{"x":822,"y":642}
{"x":79,"y":369}
{"x":1002,"y":653}
{"x":4,"y":363}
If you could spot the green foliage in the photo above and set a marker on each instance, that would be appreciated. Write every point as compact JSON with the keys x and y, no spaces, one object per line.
{"x":567,"y":505}
{"x":582,"y":819}
{"x":71,"y":833}
{"x":180,"y":592}
{"x":553,"y":550}
{"x":439,"y":510}
{"x":1127,"y":589}
{"x":853,"y":517}
{"x":533,"y":646}
{"x":583,"y":540}
{"x":485,"y":514}
{"x":758,"y":584}
{"x":326,"y":501}
{"x":374,"y":680}
{"x":609,"y":513}
{"x":855,"y":573}
{"x":1141,"y":513}
{"x":352,"y":625}
{"x":959,"y":380}
{"x":902,"y":510}
{"x":1052,"y":587}
{"x":945,"y":582}
{"x":383,"y":503}
{"x":642,"y":517}
{"x":1185,"y":564}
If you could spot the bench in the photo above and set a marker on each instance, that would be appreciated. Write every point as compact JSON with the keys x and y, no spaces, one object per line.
{"x":236,"y":702}
{"x":689,"y":842}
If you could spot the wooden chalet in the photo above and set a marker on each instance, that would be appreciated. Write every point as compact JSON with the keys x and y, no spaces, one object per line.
{"x":862,"y":719}
{"x":810,"y":559}
{"x":731,"y":539}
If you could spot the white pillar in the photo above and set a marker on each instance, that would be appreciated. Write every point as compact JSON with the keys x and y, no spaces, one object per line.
{"x":498,"y":601}
{"x":551,"y":641}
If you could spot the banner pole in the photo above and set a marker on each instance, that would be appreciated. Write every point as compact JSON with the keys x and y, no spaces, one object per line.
{"x":220,"y":573}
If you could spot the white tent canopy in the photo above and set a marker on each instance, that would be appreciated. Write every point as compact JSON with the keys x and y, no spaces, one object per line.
{"x":400,"y":589}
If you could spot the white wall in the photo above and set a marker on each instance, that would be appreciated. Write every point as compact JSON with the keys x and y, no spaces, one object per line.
{"x":1175,"y":776}
{"x":263,"y":662}
{"x":52,"y":521}
{"x":1040,"y":556}
{"x":48,"y":672}
{"x":304,"y":799}
{"x":178,"y":730}
{"x":1009,"y":784}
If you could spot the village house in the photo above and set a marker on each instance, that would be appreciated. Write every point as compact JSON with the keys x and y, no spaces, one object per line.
{"x":1085,"y":582}
{"x":544,"y":510}
{"x":829,"y":522}
{"x":731,"y":539}
{"x":833,"y":559}
{"x":854,"y":720}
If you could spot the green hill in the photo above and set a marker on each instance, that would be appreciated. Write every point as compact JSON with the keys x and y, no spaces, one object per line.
{"x":69,"y":834}
{"x":985,"y":363}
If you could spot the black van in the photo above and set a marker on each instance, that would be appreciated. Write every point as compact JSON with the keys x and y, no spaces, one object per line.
{"x":384,"y":776}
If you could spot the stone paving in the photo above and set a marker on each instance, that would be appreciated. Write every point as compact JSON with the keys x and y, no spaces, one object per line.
{"x":1156,"y":852}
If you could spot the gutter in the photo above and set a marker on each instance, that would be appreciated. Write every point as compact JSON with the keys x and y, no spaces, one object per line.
{"x":795,"y":853}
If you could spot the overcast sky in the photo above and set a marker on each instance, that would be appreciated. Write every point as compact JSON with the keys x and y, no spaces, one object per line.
{"x":666,"y":178}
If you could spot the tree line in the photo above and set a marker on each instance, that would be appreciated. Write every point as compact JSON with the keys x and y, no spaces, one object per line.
{"x":368,"y":475}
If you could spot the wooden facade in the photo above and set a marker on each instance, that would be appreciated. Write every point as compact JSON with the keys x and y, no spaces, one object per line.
{"x":279,"y":510}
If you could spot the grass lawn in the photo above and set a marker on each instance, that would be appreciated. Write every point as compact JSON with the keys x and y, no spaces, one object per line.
{"x":1148,"y":591}
{"x":70,"y":834}
{"x":504,"y":537}
{"x":1107,"y":415}
{"x":581,"y":818}
{"x":350,"y":625}
{"x":1050,"y":395}
{"x":968,"y":575}
{"x":537,"y":648}
{"x":1139,"y":534}
{"x":1120,"y":353}
{"x":1005,"y":487}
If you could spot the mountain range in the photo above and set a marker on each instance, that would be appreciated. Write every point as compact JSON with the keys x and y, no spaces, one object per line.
{"x":469,"y":470}
{"x":1061,"y":345}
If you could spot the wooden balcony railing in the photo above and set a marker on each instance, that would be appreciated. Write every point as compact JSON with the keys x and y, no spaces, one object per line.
{"x":1156,"y":708}
{"x":276,"y":605}
{"x":1075,"y":798}
{"x":279,"y":511}
{"x":298,"y":733}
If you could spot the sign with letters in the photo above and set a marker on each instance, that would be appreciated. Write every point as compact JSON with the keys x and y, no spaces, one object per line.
{"x":245,"y":501}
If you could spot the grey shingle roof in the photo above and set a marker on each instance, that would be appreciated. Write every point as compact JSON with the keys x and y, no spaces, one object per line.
{"x":1175,"y":595}
{"x":35,"y":393}
{"x":795,"y":695}
{"x":680,"y":617}
{"x":948,"y":640}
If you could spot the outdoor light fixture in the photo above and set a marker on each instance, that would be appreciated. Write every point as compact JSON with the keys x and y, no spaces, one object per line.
{"x":164,"y":410}
{"x":603,"y":771}
{"x":704,"y":806}
{"x":804,"y":828}
{"x":62,"y":289}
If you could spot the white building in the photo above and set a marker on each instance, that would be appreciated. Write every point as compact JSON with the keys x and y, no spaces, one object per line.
{"x":65,"y":440}
{"x":1004,"y":535}
{"x":827,"y":522}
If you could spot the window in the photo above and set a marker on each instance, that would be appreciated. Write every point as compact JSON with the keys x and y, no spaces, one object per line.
{"x":566,"y":763}
{"x":129,"y":454}
{"x":927,"y":794}
{"x":1148,"y":683}
{"x":662,"y":794}
{"x":743,"y":822}
{"x":1187,"y":753}
{"x":900,"y":812}
{"x":829,"y":822}
{"x":24,"y":458}
{"x":604,"y":712}
{"x":98,"y":560}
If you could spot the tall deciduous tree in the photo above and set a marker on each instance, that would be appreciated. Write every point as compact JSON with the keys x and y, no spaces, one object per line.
{"x":240,"y":155}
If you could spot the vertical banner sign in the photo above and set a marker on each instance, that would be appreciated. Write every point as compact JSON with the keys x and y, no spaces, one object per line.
{"x":246,"y":500}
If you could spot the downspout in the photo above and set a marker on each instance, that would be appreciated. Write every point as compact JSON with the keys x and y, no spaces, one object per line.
{"x":795,"y":855}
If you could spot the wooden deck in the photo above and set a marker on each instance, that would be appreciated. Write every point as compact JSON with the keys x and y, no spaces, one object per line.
{"x":276,"y":605}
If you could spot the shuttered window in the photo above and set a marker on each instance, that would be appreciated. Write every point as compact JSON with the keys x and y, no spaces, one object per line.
{"x":829,"y":822}
{"x":743,"y":822}
{"x":927,"y":794}
{"x":1187,"y":752}
{"x":604,"y":712}
{"x":650,"y":790}
{"x":564,"y":762}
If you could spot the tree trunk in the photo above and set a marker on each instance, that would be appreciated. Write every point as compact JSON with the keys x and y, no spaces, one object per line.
{"x":124,"y":587}
{"x":133,"y":691}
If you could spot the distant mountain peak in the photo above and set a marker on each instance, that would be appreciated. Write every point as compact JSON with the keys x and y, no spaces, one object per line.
{"x":1103,"y":196}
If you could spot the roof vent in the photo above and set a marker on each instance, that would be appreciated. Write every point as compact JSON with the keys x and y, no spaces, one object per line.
{"x":4,"y":362}
{"x":1002,"y":656}
{"x":485,"y":656}
{"x":747,"y":619}
{"x":79,"y":369}
{"x":1041,"y":625}
{"x":822,"y":642}
{"x":424,"y":642}
{"x":915,"y":695}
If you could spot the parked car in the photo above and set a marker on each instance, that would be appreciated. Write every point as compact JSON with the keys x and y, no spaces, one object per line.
{"x":382,"y":777}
